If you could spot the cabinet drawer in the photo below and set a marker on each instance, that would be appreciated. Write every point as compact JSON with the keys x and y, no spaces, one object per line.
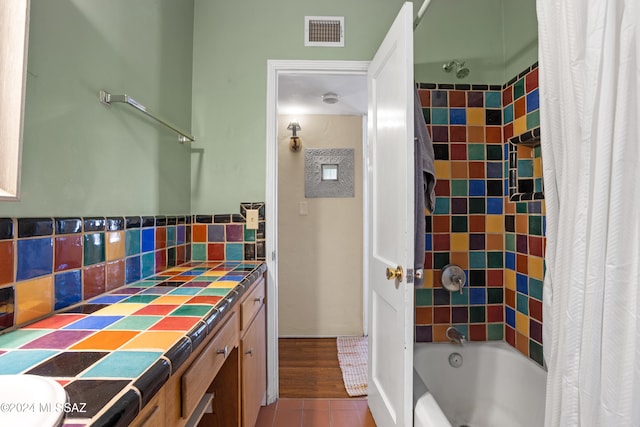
{"x":252,"y":304}
{"x":152,"y":414}
{"x":197,"y":378}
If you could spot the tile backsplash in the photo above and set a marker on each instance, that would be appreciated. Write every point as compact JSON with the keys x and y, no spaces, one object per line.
{"x":498,"y":242}
{"x":49,"y":264}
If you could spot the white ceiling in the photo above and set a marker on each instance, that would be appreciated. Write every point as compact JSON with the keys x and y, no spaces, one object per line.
{"x":302,"y":94}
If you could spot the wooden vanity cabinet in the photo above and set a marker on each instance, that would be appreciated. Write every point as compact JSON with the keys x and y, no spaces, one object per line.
{"x":153,"y":414}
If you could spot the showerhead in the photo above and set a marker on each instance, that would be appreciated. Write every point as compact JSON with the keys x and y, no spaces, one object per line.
{"x":461,"y":70}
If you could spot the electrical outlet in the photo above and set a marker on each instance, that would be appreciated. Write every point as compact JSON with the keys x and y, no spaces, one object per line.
{"x":252,"y":219}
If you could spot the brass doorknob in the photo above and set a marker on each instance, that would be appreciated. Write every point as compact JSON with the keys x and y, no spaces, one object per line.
{"x":396,"y":273}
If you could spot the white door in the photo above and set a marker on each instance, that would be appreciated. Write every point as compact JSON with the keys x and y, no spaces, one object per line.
{"x":390,"y":162}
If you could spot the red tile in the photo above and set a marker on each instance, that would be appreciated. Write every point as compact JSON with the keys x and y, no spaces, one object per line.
{"x":458,"y":134}
{"x":507,"y":96}
{"x":520,"y":108}
{"x":161,"y":260}
{"x":477,"y":223}
{"x":495,"y":313}
{"x":478,"y":332}
{"x":457,"y":98}
{"x":458,"y":152}
{"x":441,"y":315}
{"x":508,"y":132}
{"x":56,"y":322}
{"x":510,"y":298}
{"x":290,"y":404}
{"x":115,"y":274}
{"x":535,"y":309}
{"x":215,"y":252}
{"x":443,"y":187}
{"x":476,"y":169}
{"x":510,"y":335}
{"x":93,"y":282}
{"x":181,"y":254}
{"x":6,"y":262}
{"x":425,"y":97}
{"x":531,"y":80}
{"x":522,"y":263}
{"x":287,"y":419}
{"x":441,"y":242}
{"x":156,"y":310}
{"x":205,"y":299}
{"x":68,"y":252}
{"x":161,"y":237}
{"x":441,"y":224}
{"x":536,"y":246}
{"x":176,"y":323}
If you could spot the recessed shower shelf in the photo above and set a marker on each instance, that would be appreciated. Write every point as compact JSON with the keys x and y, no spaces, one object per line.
{"x":524,"y":183}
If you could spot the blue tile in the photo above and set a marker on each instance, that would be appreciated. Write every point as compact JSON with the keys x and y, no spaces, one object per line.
{"x":494,"y":205}
{"x":522,"y":283}
{"x":123,"y":364}
{"x":510,"y":260}
{"x":234,"y":252}
{"x":68,"y":289}
{"x":494,"y":169}
{"x":93,"y":322}
{"x":493,"y":99}
{"x":439,"y":116}
{"x":477,"y":187}
{"x":35,"y":258}
{"x":510,"y":316}
{"x":458,"y":116}
{"x":108,"y":299}
{"x":216,"y":233}
{"x":132,"y":269}
{"x":428,"y":242}
{"x":148,"y":239}
{"x":15,"y":362}
{"x":533,"y":101}
{"x":477,"y":296}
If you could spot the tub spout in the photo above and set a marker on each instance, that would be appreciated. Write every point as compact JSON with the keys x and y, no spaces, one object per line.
{"x":455,"y":336}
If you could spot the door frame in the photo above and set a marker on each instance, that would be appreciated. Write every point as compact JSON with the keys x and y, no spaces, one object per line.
{"x":274,"y":69}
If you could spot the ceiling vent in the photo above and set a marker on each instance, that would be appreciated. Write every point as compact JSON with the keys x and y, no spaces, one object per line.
{"x":324,"y":31}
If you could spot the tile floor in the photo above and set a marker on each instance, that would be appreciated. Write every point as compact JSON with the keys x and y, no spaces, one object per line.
{"x":316,"y":413}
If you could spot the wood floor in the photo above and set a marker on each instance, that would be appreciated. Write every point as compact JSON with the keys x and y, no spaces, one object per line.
{"x":309,"y":368}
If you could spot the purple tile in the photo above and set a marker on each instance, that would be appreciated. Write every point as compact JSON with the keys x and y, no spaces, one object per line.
{"x":424,"y":333}
{"x":521,"y":243}
{"x":196,"y":284}
{"x":458,"y":205}
{"x":440,"y":133}
{"x":476,"y":242}
{"x":439,"y":98}
{"x":459,"y":315}
{"x":535,"y":330}
{"x":216,"y":233}
{"x":57,"y":339}
{"x":235,"y":233}
{"x":475,"y":99}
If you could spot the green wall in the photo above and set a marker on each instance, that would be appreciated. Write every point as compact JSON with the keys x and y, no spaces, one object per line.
{"x":81,"y":157}
{"x":232,"y":42}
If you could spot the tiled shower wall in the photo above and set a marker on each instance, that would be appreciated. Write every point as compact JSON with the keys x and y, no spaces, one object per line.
{"x":49,"y":264}
{"x":474,"y":224}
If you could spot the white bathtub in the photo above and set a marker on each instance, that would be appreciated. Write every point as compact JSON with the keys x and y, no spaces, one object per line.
{"x":495,"y":386}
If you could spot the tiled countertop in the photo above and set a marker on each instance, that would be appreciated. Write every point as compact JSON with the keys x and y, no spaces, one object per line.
{"x":113,"y":353}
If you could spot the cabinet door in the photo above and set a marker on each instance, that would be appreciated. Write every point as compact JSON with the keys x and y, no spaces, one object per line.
{"x":152,"y":414}
{"x":254,"y":369}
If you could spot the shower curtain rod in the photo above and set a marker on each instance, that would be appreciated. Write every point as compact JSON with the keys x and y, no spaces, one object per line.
{"x":107,"y":98}
{"x":421,"y":12}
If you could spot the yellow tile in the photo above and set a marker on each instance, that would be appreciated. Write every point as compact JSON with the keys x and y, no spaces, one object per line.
{"x":536,"y":269}
{"x":33,"y":299}
{"x":510,"y":279}
{"x":522,"y":323}
{"x":120,"y":309}
{"x":214,"y":273}
{"x":537,"y":167}
{"x":223,"y":284}
{"x":460,"y":241}
{"x":154,"y":340}
{"x":495,"y":224}
{"x":115,"y":245}
{"x":177,"y":270}
{"x":443,"y":168}
{"x":520,"y":125}
{"x":172,"y":299}
{"x":475,"y":116}
{"x":428,"y":279}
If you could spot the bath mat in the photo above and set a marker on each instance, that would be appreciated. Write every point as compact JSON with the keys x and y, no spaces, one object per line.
{"x":352,"y":356}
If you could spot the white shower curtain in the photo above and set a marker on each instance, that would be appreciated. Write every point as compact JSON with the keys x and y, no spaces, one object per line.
{"x":589,"y":54}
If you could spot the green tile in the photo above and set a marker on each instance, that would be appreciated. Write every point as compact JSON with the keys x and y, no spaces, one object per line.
{"x":477,"y":205}
{"x":219,"y":292}
{"x":495,"y":331}
{"x":537,"y":185}
{"x":495,"y":296}
{"x":533,"y":119}
{"x":249,"y":235}
{"x":521,"y":207}
{"x":518,"y":89}
{"x":475,"y":151}
{"x":477,"y":259}
{"x":143,"y":299}
{"x":440,"y":259}
{"x":20,"y":337}
{"x":144,"y":284}
{"x":510,"y":242}
{"x":535,"y":289}
{"x":171,"y":236}
{"x":93,"y":248}
{"x":199,"y":251}
{"x":132,"y":242}
{"x":495,"y":259}
{"x":424,"y":297}
{"x":525,"y":168}
{"x":191,"y":310}
{"x":185,"y":291}
{"x":494,"y":152}
{"x":459,"y":187}
{"x":135,"y":323}
{"x":535,"y":225}
{"x":522,"y":303}
{"x":440,"y":116}
{"x":426,"y":112}
{"x":493,"y":99}
{"x":458,"y":298}
{"x":477,"y":314}
{"x":459,"y":224}
{"x":536,"y":352}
